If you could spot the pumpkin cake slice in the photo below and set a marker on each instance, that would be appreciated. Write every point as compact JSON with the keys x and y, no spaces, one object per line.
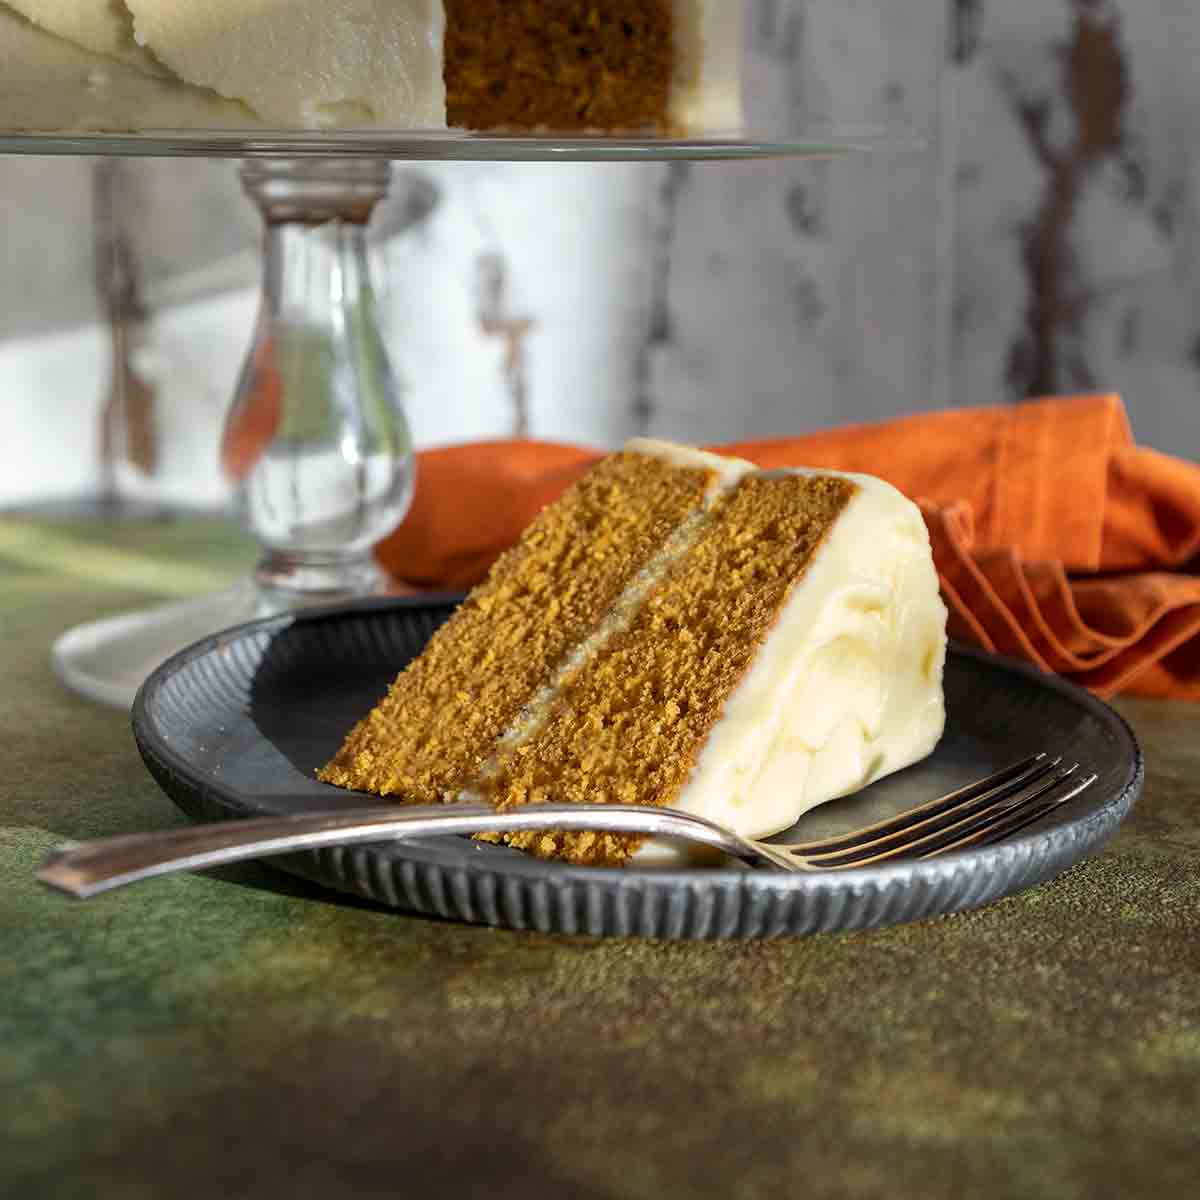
{"x":678,"y":629}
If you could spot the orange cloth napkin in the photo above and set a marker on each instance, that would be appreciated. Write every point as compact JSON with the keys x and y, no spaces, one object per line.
{"x":1057,"y":539}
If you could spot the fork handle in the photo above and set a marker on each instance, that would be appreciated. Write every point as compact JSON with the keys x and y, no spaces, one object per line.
{"x":85,"y":869}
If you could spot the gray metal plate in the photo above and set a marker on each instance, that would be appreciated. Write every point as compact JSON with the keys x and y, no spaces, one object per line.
{"x":236,"y":725}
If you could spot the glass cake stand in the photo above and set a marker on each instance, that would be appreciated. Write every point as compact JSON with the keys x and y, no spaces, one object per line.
{"x":316,"y":443}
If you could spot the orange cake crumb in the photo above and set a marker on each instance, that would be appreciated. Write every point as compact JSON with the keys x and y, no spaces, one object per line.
{"x":431,"y":734}
{"x":567,"y":65}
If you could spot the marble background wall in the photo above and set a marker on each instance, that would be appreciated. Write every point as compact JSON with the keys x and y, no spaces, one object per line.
{"x":1047,"y":239}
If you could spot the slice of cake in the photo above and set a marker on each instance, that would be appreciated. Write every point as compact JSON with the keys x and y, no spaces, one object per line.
{"x":570,"y":66}
{"x":679,"y":629}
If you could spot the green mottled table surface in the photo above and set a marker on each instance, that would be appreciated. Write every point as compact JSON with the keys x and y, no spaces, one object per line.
{"x":242,"y":1034}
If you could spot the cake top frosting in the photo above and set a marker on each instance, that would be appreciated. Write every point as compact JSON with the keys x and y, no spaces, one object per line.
{"x":102,"y":26}
{"x":310,"y":63}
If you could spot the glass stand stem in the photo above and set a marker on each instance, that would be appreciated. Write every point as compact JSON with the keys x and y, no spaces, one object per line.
{"x":316,"y":444}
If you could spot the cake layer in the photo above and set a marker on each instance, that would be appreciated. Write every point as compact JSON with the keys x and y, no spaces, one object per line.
{"x":441,"y":719}
{"x":559,"y":64}
{"x":670,"y":66}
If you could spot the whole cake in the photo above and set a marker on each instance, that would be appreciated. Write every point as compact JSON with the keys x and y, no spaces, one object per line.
{"x":636,"y":66}
{"x":678,"y":629}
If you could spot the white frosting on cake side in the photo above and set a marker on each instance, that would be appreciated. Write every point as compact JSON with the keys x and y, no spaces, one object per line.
{"x":707,"y":91}
{"x":308,"y":63}
{"x":848,"y":686}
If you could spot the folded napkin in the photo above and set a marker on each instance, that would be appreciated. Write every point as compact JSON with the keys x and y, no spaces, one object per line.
{"x":1057,"y":539}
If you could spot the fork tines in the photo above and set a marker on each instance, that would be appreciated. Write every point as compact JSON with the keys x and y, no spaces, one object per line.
{"x":981,"y":813}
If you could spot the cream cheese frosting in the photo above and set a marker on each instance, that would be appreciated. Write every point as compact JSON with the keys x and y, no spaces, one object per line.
{"x":707,"y":88}
{"x":101,"y":26}
{"x":308,"y":63}
{"x":49,"y":83}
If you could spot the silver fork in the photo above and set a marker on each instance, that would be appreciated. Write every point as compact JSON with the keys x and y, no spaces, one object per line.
{"x":983,"y":812}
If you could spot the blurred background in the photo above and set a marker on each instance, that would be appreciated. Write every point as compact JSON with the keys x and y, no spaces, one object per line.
{"x":1046,"y":240}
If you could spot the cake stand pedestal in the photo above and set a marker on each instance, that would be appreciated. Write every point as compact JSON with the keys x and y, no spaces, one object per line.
{"x":316,"y":444}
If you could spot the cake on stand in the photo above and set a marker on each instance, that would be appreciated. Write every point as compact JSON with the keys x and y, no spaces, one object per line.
{"x":316,"y":444}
